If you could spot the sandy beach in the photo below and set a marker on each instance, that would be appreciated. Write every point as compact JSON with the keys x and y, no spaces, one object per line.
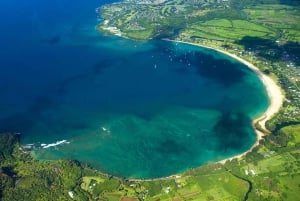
{"x":274,"y":92}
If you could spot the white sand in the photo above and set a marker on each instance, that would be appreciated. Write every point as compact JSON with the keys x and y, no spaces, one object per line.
{"x":274,"y":92}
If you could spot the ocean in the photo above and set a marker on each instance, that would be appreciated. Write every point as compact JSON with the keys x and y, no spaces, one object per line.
{"x":138,"y":109}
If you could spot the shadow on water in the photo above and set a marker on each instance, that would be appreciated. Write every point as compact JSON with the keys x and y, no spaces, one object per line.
{"x":231,"y":130}
{"x":270,"y":50}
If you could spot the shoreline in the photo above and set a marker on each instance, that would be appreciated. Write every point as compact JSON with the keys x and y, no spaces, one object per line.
{"x":273,"y":90}
{"x":275,"y":96}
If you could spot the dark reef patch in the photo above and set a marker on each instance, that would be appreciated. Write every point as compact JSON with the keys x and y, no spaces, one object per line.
{"x":231,"y":130}
{"x":220,"y":70}
{"x":170,"y":147}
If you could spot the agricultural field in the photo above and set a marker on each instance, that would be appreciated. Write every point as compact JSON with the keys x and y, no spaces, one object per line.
{"x":293,"y":133}
{"x":211,"y":182}
{"x":274,"y":173}
{"x":274,"y":22}
{"x":281,"y":17}
{"x":231,"y":30}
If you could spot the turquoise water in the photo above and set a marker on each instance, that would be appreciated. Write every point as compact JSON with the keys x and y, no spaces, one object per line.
{"x":129,"y":108}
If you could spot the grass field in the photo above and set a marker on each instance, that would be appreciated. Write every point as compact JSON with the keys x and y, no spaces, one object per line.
{"x":272,"y":164}
{"x":294,"y":132}
{"x":274,"y":22}
{"x":291,"y":186}
{"x":283,"y":17}
{"x":232,"y":30}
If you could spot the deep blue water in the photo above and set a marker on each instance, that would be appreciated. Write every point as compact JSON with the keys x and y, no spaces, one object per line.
{"x":129,"y":108}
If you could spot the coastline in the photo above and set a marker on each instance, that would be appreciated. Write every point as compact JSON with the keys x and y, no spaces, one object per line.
{"x":276,"y":100}
{"x":273,"y":90}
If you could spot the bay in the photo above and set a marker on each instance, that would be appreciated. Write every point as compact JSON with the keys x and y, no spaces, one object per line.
{"x":129,"y":108}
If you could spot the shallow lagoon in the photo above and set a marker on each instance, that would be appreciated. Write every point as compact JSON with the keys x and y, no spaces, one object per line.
{"x":129,"y":108}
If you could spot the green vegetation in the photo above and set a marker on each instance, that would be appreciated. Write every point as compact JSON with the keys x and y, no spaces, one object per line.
{"x":22,"y":178}
{"x":293,"y":134}
{"x":26,"y":179}
{"x":276,"y":168}
{"x":229,"y":29}
{"x":266,"y":34}
{"x":270,"y":172}
{"x":268,"y":20}
{"x":282,"y":18}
